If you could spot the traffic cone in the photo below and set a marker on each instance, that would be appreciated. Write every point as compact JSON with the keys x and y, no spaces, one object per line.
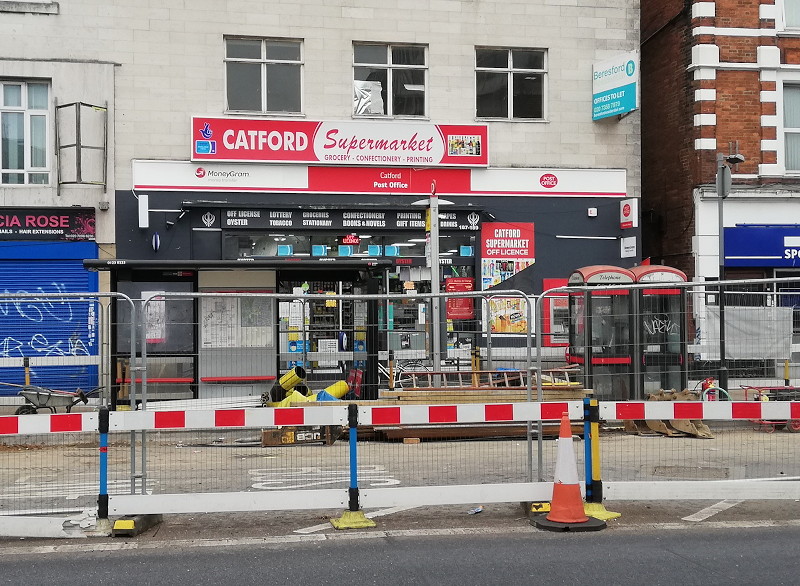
{"x":566,"y":506}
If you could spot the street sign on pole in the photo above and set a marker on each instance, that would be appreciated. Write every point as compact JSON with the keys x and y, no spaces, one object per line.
{"x":723,"y":180}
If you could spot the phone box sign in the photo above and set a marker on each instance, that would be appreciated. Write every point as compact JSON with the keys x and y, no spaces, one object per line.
{"x":507,"y":240}
{"x":337,"y":143}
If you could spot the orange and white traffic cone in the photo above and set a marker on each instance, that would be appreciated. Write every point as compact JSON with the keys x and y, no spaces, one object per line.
{"x":566,"y":506}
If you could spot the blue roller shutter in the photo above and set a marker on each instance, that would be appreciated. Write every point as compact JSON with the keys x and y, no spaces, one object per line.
{"x":59,"y":336}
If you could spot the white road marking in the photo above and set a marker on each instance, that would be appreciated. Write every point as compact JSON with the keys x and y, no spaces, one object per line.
{"x":704,"y":514}
{"x":63,"y":490}
{"x":380,"y":513}
{"x":306,"y":476}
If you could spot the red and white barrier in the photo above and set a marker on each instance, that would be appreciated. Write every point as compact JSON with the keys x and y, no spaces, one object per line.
{"x":467,"y":413}
{"x":227,"y":418}
{"x":379,"y":415}
{"x":50,"y":423}
{"x":712,"y":410}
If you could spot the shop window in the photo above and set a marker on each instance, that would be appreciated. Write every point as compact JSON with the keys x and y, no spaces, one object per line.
{"x":263,"y":75}
{"x":389,"y":80}
{"x":24,"y":133}
{"x":510,"y":83}
{"x":167,"y":325}
{"x":788,"y":295}
{"x":335,"y":244}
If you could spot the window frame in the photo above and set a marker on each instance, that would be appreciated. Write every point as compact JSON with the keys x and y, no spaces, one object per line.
{"x":781,"y":25}
{"x":390,"y":68}
{"x":782,"y":130}
{"x":265,"y":62}
{"x":510,"y":71}
{"x":28,"y":169}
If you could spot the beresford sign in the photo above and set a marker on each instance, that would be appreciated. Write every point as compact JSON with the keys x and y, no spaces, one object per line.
{"x":338,"y":143}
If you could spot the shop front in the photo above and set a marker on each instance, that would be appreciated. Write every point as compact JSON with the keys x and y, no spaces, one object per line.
{"x":294,"y":207}
{"x":41,"y":253}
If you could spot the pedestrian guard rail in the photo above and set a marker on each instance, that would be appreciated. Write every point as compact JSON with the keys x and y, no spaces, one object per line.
{"x":741,"y":462}
{"x":142,"y":500}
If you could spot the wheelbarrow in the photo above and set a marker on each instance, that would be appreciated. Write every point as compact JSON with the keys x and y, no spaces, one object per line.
{"x":41,"y":398}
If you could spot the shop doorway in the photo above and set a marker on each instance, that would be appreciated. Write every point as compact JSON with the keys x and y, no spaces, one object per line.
{"x":327,"y":337}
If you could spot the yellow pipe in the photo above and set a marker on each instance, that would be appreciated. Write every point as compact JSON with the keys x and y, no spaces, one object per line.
{"x":338,"y":389}
{"x":291,"y":378}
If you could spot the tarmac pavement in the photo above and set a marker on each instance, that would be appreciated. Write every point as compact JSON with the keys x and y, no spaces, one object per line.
{"x":232,"y":528}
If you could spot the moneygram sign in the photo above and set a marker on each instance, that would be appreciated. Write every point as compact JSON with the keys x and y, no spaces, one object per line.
{"x":337,"y":143}
{"x":615,"y":86}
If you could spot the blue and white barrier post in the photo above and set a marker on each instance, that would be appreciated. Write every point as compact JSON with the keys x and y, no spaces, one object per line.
{"x":354,"y":517}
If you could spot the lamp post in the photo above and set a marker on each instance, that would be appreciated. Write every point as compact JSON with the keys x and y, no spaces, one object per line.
{"x":723,"y":189}
{"x":432,"y":237}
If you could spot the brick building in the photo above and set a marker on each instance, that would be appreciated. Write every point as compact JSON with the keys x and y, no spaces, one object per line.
{"x":721,"y":78}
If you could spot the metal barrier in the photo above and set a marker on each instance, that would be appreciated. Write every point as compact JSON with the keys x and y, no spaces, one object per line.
{"x":54,"y":344}
{"x":210,"y":444}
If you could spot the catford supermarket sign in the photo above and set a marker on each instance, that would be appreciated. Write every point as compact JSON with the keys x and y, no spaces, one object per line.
{"x":337,"y":143}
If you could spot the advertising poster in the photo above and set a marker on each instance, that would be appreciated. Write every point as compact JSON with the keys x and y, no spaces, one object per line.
{"x":506,"y":249}
{"x":155,"y":314}
{"x":508,"y":315}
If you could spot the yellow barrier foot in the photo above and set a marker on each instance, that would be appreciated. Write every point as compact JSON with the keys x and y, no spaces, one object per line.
{"x":540,"y":507}
{"x":134,"y":525}
{"x":598,"y":511}
{"x":353,"y":520}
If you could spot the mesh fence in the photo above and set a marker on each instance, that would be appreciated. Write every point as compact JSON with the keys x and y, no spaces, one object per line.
{"x":248,"y":350}
{"x":49,"y":473}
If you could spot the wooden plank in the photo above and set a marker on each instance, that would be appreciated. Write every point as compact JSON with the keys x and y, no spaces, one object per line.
{"x":467,"y":431}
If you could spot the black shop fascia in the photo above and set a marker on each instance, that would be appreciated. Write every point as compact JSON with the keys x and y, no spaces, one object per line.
{"x":382,"y":238}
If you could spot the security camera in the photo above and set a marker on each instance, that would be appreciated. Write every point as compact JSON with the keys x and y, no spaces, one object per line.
{"x":734,"y":159}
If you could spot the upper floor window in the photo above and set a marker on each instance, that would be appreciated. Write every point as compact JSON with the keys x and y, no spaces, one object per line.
{"x":24,"y":128}
{"x":389,"y":80}
{"x":510,"y":83}
{"x":263,"y":75}
{"x":791,"y":13}
{"x":791,"y":126}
